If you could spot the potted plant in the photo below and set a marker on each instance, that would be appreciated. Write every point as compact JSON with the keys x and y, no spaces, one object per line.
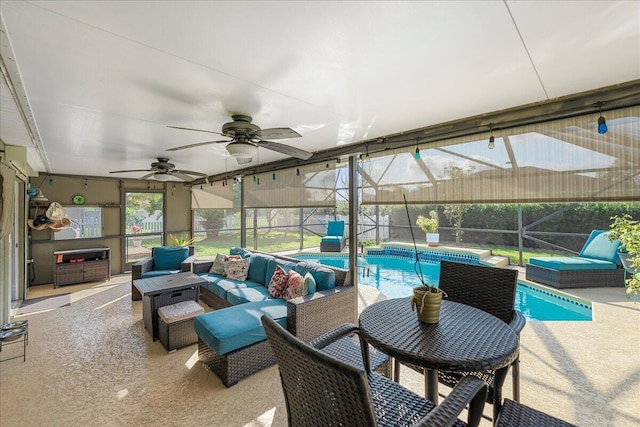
{"x":135,"y":229}
{"x":430,"y":227}
{"x":184,"y":240}
{"x":627,"y":230}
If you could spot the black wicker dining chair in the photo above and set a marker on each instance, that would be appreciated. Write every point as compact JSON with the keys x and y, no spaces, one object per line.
{"x":516,"y":414}
{"x":320,"y":389}
{"x":492,"y":290}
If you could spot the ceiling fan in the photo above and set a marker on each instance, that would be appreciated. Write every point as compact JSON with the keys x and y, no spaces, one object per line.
{"x":162,"y":170}
{"x":246,"y":137}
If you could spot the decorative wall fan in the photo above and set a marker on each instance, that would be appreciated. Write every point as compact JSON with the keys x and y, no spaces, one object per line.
{"x":162,"y":170}
{"x":246,"y":137}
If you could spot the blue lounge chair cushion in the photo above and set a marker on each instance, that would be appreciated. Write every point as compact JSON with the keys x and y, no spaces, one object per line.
{"x":335,"y":228}
{"x":236,"y":327}
{"x":169,"y":257}
{"x":598,"y":246}
{"x":572,"y":263}
{"x":330,"y":239}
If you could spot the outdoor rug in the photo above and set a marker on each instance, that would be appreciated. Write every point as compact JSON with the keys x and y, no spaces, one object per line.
{"x":44,"y":303}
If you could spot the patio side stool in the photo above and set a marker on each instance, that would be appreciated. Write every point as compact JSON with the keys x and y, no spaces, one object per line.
{"x":175,"y":324}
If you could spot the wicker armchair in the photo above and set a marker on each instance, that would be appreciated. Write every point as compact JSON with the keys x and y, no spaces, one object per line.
{"x":146,"y":265}
{"x":492,"y":290}
{"x":322,"y":390}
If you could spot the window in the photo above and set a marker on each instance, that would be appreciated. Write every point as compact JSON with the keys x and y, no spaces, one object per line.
{"x":86,"y":223}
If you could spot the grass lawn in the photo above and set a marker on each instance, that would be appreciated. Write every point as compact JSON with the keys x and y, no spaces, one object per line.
{"x":273,"y":241}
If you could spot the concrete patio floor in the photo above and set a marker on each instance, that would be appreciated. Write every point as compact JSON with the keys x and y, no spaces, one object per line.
{"x":92,"y":363}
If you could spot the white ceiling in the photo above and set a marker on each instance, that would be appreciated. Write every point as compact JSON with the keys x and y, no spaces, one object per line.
{"x":100,"y":80}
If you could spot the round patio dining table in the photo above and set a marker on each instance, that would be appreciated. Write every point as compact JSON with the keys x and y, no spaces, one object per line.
{"x":464,"y":339}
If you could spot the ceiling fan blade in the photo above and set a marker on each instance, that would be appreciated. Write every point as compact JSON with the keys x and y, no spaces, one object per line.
{"x":181,"y":176}
{"x":190,"y":172}
{"x":197,"y":130}
{"x":197,"y":144}
{"x":277,"y":133}
{"x":132,"y":170}
{"x":285,"y":149}
{"x":149,"y":175}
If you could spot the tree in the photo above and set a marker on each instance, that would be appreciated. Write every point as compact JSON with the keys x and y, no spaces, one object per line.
{"x":213,"y":221}
{"x":454,"y":214}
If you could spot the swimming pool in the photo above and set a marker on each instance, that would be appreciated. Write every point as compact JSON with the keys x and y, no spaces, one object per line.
{"x":395,"y":277}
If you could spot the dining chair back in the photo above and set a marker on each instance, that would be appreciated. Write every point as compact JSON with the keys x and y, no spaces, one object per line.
{"x":492,"y":290}
{"x":320,"y":389}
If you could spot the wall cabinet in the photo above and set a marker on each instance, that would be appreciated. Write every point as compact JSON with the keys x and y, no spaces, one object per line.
{"x":81,"y":265}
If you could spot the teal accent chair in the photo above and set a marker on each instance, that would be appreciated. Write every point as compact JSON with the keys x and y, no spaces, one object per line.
{"x":163,"y":260}
{"x":597,"y":265}
{"x":334,"y":241}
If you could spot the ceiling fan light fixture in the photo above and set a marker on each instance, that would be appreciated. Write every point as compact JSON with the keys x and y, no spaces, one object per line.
{"x":242,"y":151}
{"x":164,"y":177}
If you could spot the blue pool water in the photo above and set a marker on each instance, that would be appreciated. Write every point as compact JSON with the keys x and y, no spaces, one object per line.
{"x":395,"y":277}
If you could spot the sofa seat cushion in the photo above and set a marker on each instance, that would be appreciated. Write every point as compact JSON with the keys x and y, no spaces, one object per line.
{"x":231,"y":328}
{"x":244,"y":295}
{"x":156,"y":273}
{"x":325,"y":277}
{"x":169,"y":257}
{"x":221,"y":285}
{"x":572,"y":263}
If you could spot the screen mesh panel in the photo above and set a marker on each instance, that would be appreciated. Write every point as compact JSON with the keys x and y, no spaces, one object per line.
{"x":306,"y":186}
{"x":559,"y":161}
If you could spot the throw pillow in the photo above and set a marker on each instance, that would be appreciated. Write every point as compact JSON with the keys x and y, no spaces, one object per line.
{"x":278,"y":282}
{"x":218,"y":264}
{"x":295,"y":286}
{"x":310,"y":283}
{"x":236,"y":268}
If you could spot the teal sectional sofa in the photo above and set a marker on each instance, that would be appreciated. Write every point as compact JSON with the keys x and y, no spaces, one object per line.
{"x":231,"y":340}
{"x":597,"y":265}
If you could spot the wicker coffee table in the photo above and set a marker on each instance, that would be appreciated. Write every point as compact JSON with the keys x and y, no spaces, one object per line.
{"x":464,"y":339}
{"x":165,"y":290}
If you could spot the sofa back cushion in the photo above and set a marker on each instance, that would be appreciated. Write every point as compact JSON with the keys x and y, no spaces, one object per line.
{"x":169,"y":257}
{"x":258,"y":268}
{"x":273,"y":263}
{"x":244,"y":253}
{"x":325,"y":277}
{"x":598,"y":246}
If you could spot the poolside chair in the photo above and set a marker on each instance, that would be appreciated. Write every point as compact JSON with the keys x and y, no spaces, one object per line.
{"x":597,"y":265}
{"x":320,"y":389}
{"x":334,"y":241}
{"x":492,"y":290}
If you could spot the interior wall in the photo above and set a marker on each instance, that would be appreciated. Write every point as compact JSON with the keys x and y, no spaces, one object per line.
{"x":106,"y":193}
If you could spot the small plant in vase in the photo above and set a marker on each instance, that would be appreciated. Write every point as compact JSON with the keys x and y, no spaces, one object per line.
{"x":430,"y":226}
{"x":627,"y":230}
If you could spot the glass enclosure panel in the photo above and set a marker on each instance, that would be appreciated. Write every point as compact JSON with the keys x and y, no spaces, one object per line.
{"x":144,"y":225}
